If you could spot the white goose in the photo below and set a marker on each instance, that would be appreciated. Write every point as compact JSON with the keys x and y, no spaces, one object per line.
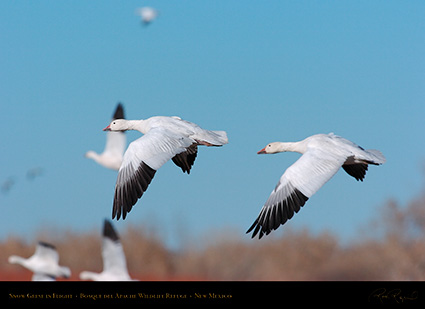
{"x":323,"y":155}
{"x":111,"y":157}
{"x":164,"y":138}
{"x":43,"y":263}
{"x":114,"y":263}
{"x":147,"y":14}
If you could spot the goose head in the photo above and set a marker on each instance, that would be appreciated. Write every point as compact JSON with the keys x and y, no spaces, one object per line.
{"x":271,"y":148}
{"x":117,"y":125}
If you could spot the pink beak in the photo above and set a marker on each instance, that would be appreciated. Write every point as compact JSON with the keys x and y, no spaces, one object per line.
{"x":262,"y":151}
{"x":108,"y":128}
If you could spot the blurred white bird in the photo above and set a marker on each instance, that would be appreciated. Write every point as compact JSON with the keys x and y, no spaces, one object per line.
{"x":44,"y":263}
{"x":112,"y":155}
{"x":147,"y":14}
{"x":164,"y":138}
{"x":323,"y":155}
{"x":114,"y":263}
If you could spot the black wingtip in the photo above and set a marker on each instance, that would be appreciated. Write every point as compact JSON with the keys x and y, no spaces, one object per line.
{"x":47,"y":245}
{"x":186,"y":159}
{"x":119,"y":112}
{"x":358,"y":171}
{"x":257,"y":229}
{"x":116,"y":212}
{"x":272,"y":217}
{"x":109,"y":231}
{"x":127,"y":194}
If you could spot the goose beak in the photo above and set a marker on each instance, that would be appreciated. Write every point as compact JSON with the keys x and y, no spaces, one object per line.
{"x":108,"y":128}
{"x":262,"y":151}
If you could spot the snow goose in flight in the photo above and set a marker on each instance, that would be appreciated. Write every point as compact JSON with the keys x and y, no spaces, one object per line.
{"x":111,"y":157}
{"x":323,"y":155}
{"x":164,"y":138}
{"x":147,"y":14}
{"x":114,"y":263}
{"x":44,"y":263}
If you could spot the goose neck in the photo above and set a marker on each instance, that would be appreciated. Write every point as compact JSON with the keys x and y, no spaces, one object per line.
{"x":292,"y":147}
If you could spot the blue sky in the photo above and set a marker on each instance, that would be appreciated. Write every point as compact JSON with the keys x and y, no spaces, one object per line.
{"x":262,"y":71}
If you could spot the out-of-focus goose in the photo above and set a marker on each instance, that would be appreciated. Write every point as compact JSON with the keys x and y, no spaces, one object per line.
{"x":111,"y":157}
{"x":44,"y":263}
{"x":114,"y":263}
{"x":147,"y":14}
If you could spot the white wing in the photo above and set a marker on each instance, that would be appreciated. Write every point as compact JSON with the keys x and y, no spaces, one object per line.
{"x":112,"y":252}
{"x":45,"y":261}
{"x":113,"y":258}
{"x":116,"y":141}
{"x":299,"y":182}
{"x":142,"y":159}
{"x":46,"y":252}
{"x":112,"y":155}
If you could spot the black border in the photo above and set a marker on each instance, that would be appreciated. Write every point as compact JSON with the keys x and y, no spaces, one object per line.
{"x":213,"y":292}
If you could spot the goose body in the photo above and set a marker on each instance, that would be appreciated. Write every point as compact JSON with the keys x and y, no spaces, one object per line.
{"x":322,"y":156}
{"x":44,"y":263}
{"x":164,"y":138}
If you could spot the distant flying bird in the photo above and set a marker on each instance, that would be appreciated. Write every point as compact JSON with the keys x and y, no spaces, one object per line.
{"x":44,"y":263}
{"x":114,"y":263}
{"x":111,"y":157}
{"x":7,"y":185}
{"x":323,"y":155}
{"x":147,"y":14}
{"x":164,"y":138}
{"x":34,"y":172}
